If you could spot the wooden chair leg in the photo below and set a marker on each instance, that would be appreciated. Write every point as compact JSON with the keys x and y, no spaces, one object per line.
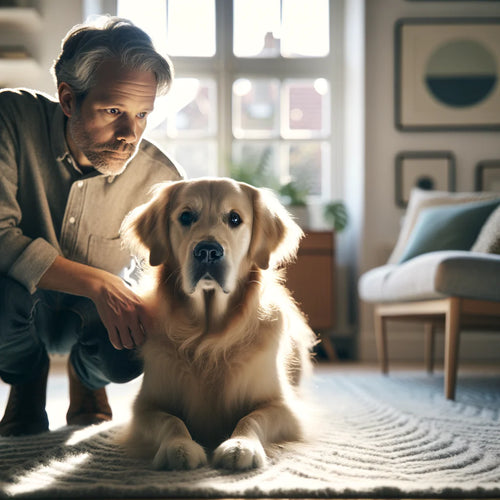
{"x":381,"y":341}
{"x":452,"y":332}
{"x":429,"y":346}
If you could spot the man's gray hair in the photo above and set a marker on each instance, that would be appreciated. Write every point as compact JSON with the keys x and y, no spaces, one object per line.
{"x":86,"y":46}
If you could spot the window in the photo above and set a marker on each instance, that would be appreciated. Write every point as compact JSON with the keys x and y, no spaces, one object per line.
{"x":252,"y":96}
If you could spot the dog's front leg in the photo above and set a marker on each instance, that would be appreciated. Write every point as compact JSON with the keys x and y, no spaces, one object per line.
{"x":173,"y":446}
{"x":269,"y":424}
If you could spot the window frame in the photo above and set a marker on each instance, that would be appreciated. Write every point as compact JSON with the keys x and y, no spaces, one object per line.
{"x":224,"y":67}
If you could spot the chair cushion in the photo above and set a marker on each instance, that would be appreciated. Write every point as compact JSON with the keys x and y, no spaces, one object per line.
{"x":448,"y":227}
{"x":434,"y":275}
{"x":421,"y":199}
{"x":488,"y":240}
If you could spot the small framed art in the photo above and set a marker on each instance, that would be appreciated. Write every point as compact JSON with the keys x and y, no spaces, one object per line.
{"x":488,"y":176}
{"x":447,"y":74}
{"x":430,"y":170}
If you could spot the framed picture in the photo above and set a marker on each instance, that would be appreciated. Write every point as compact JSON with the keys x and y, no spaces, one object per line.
{"x":431,"y":170}
{"x":488,"y":176}
{"x":447,"y":74}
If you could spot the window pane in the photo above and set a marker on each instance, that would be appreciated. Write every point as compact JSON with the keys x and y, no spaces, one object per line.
{"x":256,"y":163}
{"x":292,"y":28}
{"x":308,"y":161}
{"x":198,"y":158}
{"x":255,"y":108}
{"x":274,"y":164}
{"x":191,"y":28}
{"x":152,"y":20}
{"x":304,"y":30}
{"x":188,"y":110}
{"x":306,"y":112}
{"x":256,"y":28}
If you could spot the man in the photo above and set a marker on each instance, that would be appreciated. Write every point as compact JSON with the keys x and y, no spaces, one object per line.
{"x":69,"y":173}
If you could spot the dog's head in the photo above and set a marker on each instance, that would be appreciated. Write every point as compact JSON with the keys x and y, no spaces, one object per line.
{"x":212,"y":231}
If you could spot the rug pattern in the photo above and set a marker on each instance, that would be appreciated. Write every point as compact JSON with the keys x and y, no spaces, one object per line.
{"x":377,"y":436}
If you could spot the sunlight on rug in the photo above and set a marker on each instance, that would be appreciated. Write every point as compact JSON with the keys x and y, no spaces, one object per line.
{"x":394,"y":436}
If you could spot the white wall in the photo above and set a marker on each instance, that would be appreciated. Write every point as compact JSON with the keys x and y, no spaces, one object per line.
{"x":383,"y":142}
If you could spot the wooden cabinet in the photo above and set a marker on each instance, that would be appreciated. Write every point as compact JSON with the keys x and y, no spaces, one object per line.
{"x":311,"y":280}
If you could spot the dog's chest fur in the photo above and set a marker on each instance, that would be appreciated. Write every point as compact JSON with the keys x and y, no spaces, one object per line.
{"x":209,"y":390}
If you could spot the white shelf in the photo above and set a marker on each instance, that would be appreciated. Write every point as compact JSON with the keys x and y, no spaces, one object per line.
{"x":28,"y":17}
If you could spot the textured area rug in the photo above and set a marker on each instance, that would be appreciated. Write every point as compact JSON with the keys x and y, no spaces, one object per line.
{"x":378,"y":436}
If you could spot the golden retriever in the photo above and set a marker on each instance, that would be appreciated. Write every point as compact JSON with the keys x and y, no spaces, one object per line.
{"x":223,"y":363}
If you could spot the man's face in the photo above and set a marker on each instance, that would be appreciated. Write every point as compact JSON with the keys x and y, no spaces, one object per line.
{"x":104,"y":131}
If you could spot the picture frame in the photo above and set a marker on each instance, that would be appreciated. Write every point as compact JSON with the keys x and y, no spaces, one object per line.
{"x":487,"y":176}
{"x":430,"y":170}
{"x":447,"y":73}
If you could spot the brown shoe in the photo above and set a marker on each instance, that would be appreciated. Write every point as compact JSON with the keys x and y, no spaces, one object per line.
{"x":86,"y":407}
{"x":25,"y":411}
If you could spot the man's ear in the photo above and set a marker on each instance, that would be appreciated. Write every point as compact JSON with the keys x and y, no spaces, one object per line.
{"x":67,"y":99}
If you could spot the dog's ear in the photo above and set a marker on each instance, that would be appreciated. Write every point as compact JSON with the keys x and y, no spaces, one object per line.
{"x":275,"y":236}
{"x":146,"y":228}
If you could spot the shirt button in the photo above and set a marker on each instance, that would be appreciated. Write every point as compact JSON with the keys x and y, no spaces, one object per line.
{"x":72,"y":220}
{"x":79,"y":184}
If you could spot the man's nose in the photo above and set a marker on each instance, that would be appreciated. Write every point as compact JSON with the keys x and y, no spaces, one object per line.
{"x":127,"y":129}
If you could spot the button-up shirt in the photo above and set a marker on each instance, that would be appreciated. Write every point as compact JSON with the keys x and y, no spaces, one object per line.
{"x":48,"y":207}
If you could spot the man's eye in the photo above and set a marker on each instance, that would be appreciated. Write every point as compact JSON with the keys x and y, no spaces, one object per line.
{"x":187,"y":218}
{"x":234,"y":219}
{"x":113,"y":111}
{"x":142,"y":115}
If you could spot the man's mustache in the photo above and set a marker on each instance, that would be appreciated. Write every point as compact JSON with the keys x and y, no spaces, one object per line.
{"x":117,"y":146}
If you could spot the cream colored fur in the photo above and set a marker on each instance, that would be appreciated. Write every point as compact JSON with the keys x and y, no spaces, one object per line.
{"x":223,"y":363}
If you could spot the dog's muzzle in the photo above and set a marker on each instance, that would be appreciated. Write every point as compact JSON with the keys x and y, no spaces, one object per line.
{"x":208,"y":264}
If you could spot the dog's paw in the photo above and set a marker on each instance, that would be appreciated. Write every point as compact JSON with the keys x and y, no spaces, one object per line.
{"x":180,"y":454}
{"x":240,"y":454}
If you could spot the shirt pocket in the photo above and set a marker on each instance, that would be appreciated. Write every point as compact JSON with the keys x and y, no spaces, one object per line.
{"x":108,"y":254}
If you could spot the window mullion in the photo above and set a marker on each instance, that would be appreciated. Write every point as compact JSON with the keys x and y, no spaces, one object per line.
{"x":224,"y":57}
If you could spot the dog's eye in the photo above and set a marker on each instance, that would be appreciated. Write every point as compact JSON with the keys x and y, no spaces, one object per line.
{"x":187,"y":218}
{"x":234,"y":219}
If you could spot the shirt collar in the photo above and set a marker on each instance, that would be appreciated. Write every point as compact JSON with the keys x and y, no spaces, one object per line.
{"x":59,"y":145}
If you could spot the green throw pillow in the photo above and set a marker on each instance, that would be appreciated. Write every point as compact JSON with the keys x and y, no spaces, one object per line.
{"x":448,"y":227}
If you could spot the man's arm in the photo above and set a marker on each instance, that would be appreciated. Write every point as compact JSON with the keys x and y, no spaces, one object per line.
{"x":120,"y":309}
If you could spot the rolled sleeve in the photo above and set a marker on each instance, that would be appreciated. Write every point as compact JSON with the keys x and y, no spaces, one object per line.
{"x":32,"y":264}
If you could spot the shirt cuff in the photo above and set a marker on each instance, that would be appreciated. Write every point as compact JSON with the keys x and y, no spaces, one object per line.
{"x":32,"y":264}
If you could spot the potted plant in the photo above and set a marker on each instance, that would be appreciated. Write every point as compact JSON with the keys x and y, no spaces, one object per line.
{"x":336,"y":214}
{"x":295,"y":199}
{"x":254,"y":171}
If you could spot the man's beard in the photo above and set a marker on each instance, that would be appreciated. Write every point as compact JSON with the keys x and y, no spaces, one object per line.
{"x":102,"y":156}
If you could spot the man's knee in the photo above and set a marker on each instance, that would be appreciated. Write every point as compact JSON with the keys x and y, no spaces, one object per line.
{"x":120,"y":366}
{"x":99,"y":365}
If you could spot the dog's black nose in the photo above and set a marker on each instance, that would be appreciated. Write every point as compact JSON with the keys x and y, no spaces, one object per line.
{"x":208,"y":252}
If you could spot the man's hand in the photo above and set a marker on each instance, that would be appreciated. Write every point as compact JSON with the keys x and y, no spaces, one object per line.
{"x":122,"y":312}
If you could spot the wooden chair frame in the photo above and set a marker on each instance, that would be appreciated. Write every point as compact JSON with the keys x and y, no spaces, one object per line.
{"x":457,"y":313}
